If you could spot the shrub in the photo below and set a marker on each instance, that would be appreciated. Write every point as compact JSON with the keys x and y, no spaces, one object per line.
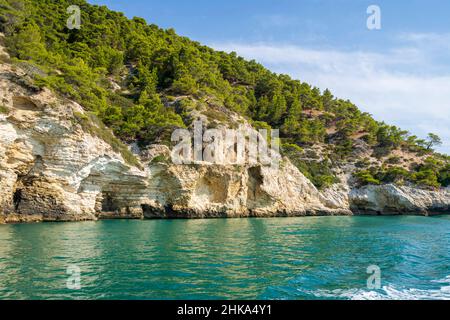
{"x":318,"y":172}
{"x":365,"y":177}
{"x":364,"y":163}
{"x":290,"y":148}
{"x":444,"y":176}
{"x":393,"y":160}
{"x":427,"y":178}
{"x":3,"y":109}
{"x":394,"y":175}
{"x":185,"y":85}
{"x":160,"y":159}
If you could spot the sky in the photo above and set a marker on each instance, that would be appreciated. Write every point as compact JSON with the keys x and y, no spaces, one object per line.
{"x":399,"y":73}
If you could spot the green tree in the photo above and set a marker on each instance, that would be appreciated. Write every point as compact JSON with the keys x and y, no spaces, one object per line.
{"x":433,"y":140}
{"x":292,"y":123}
{"x":327,"y":100}
{"x":186,"y":84}
{"x":27,"y":44}
{"x":277,"y":108}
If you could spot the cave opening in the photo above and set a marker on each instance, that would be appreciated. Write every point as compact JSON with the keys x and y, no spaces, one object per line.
{"x":17,"y":199}
{"x":109,"y":204}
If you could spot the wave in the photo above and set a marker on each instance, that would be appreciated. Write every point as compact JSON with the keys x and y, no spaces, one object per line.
{"x":390,"y":293}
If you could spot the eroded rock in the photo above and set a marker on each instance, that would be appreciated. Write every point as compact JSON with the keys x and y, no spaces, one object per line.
{"x":53,"y":170}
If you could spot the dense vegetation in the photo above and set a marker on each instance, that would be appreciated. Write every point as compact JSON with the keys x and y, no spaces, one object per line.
{"x":432,"y":173}
{"x":142,"y":81}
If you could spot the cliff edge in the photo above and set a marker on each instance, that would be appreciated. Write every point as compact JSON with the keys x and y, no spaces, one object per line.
{"x":55,"y":165}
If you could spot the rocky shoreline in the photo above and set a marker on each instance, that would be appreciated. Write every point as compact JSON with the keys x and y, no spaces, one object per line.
{"x":53,"y":169}
{"x":19,"y":218}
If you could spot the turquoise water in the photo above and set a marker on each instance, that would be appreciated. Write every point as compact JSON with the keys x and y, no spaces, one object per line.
{"x":298,"y":258}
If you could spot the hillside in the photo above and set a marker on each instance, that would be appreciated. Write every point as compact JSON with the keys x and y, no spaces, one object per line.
{"x":142,"y":81}
{"x":129,"y":84}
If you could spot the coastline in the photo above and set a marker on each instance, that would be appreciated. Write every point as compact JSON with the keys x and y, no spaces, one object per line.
{"x":55,"y":167}
{"x":32,"y":219}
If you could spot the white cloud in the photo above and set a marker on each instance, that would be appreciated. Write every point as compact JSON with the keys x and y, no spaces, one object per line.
{"x":400,"y":86}
{"x":437,"y":39}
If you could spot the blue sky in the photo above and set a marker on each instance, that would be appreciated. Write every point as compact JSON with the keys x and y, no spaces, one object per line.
{"x":400,"y":74}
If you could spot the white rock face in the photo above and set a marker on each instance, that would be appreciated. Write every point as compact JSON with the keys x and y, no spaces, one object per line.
{"x":391,"y":199}
{"x":47,"y":161}
{"x":53,"y":170}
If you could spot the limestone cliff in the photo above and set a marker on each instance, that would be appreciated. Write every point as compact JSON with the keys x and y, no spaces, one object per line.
{"x":53,"y":169}
{"x":391,"y":199}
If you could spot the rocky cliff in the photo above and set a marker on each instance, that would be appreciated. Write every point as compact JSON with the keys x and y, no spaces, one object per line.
{"x":53,"y":169}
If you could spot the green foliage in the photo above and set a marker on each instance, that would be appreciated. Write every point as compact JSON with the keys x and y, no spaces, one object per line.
{"x":363,"y":163}
{"x":365,"y":177}
{"x":430,"y":172}
{"x":185,"y":85}
{"x":433,"y":173}
{"x":433,"y":140}
{"x":342,"y":150}
{"x":390,"y":136}
{"x":3,"y":109}
{"x":108,"y":58}
{"x":395,"y":175}
{"x":79,"y":62}
{"x":426,"y":178}
{"x":393,"y":160}
{"x":444,"y":176}
{"x":289,"y":148}
{"x":318,"y":172}
{"x":26,"y":43}
{"x":163,"y":77}
{"x":261,"y":125}
{"x":160,"y":159}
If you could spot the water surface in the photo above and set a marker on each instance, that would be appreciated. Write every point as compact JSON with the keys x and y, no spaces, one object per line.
{"x":290,"y":258}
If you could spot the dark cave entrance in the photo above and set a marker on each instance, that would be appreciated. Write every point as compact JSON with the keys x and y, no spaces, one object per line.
{"x":17,"y":199}
{"x":109,"y":204}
